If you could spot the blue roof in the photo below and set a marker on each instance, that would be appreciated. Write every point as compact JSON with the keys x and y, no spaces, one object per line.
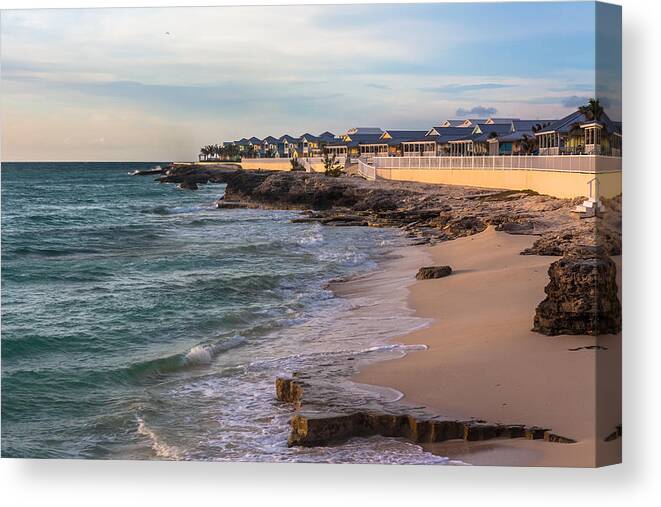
{"x":487,"y":131}
{"x":357,"y":139}
{"x":450,"y":131}
{"x":453,"y":123}
{"x":567,"y":123}
{"x":429,"y":139}
{"x":514,"y":136}
{"x":529,"y":125}
{"x":308,"y":137}
{"x":405,"y":133}
{"x":327,"y":136}
{"x":502,"y":120}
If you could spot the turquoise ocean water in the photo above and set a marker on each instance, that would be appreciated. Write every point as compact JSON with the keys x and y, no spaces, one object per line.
{"x":139,"y":322}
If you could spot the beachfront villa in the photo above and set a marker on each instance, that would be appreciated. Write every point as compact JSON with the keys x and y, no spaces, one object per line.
{"x":285,"y":146}
{"x":580,"y":133}
{"x":576,"y":133}
{"x":269,"y":145}
{"x":477,"y":142}
{"x":358,"y":141}
{"x":578,"y":155}
{"x":284,"y":143}
{"x":519,"y":141}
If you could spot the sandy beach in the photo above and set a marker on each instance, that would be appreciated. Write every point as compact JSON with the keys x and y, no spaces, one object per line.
{"x":483,"y":360}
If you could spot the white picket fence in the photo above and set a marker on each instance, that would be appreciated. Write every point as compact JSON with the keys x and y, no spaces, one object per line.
{"x":559,"y":163}
{"x":366,"y":171}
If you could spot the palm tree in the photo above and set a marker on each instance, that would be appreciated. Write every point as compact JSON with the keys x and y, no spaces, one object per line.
{"x":331,"y":166}
{"x":527,"y":144}
{"x":296,"y":165}
{"x":593,"y":110}
{"x":207,"y":151}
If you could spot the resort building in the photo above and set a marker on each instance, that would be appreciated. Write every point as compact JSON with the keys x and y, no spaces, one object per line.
{"x":477,"y":142}
{"x":255,"y":144}
{"x":395,"y":139}
{"x":356,"y":142}
{"x":363,"y":144}
{"x":338,"y":148}
{"x":327,"y":137}
{"x":434,"y":143}
{"x":308,"y":145}
{"x":285,"y":145}
{"x":426,"y":146}
{"x":383,"y":145}
{"x":472,"y":122}
{"x":243,"y":144}
{"x":269,"y":146}
{"x":520,"y":141}
{"x":577,"y":134}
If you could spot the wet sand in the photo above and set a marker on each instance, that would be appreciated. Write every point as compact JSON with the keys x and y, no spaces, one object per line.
{"x":483,"y":361}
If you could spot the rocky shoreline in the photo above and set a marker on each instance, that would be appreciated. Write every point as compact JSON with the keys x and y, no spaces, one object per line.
{"x":581,"y":293}
{"x":427,"y":213}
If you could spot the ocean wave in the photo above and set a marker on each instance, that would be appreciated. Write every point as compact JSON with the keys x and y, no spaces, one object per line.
{"x":205,"y":354}
{"x":198,"y":355}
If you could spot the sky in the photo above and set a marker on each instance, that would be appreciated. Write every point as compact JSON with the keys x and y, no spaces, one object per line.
{"x":157,"y":83}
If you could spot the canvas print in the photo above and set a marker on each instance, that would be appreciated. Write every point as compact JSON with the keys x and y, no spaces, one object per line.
{"x":385,"y":234}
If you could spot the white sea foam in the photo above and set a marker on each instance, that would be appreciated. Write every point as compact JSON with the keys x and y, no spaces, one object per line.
{"x":161,"y":448}
{"x":314,"y":237}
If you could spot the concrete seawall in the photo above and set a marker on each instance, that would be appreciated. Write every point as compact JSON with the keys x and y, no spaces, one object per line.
{"x":279,"y":164}
{"x":557,"y":184}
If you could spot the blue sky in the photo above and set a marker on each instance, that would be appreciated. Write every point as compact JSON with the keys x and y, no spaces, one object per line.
{"x":112,"y":84}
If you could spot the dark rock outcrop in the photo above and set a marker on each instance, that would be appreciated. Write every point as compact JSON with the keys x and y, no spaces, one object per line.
{"x":188,"y":185}
{"x":429,"y":272}
{"x":581,"y":297}
{"x":615,"y":434}
{"x":516,"y":227}
{"x":338,"y":423}
{"x":223,"y":204}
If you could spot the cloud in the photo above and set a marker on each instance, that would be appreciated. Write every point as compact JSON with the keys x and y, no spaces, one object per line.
{"x":461,"y":88}
{"x":262,"y":73}
{"x":378,"y":86}
{"x":576,"y":87}
{"x":480,"y":111}
{"x":574,"y":101}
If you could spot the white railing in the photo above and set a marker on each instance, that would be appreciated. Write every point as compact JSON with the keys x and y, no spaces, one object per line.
{"x":266,"y":160}
{"x":366,"y":171}
{"x":559,"y":163}
{"x":279,"y":160}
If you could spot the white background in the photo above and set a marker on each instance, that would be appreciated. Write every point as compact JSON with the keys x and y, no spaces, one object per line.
{"x":636,"y":482}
